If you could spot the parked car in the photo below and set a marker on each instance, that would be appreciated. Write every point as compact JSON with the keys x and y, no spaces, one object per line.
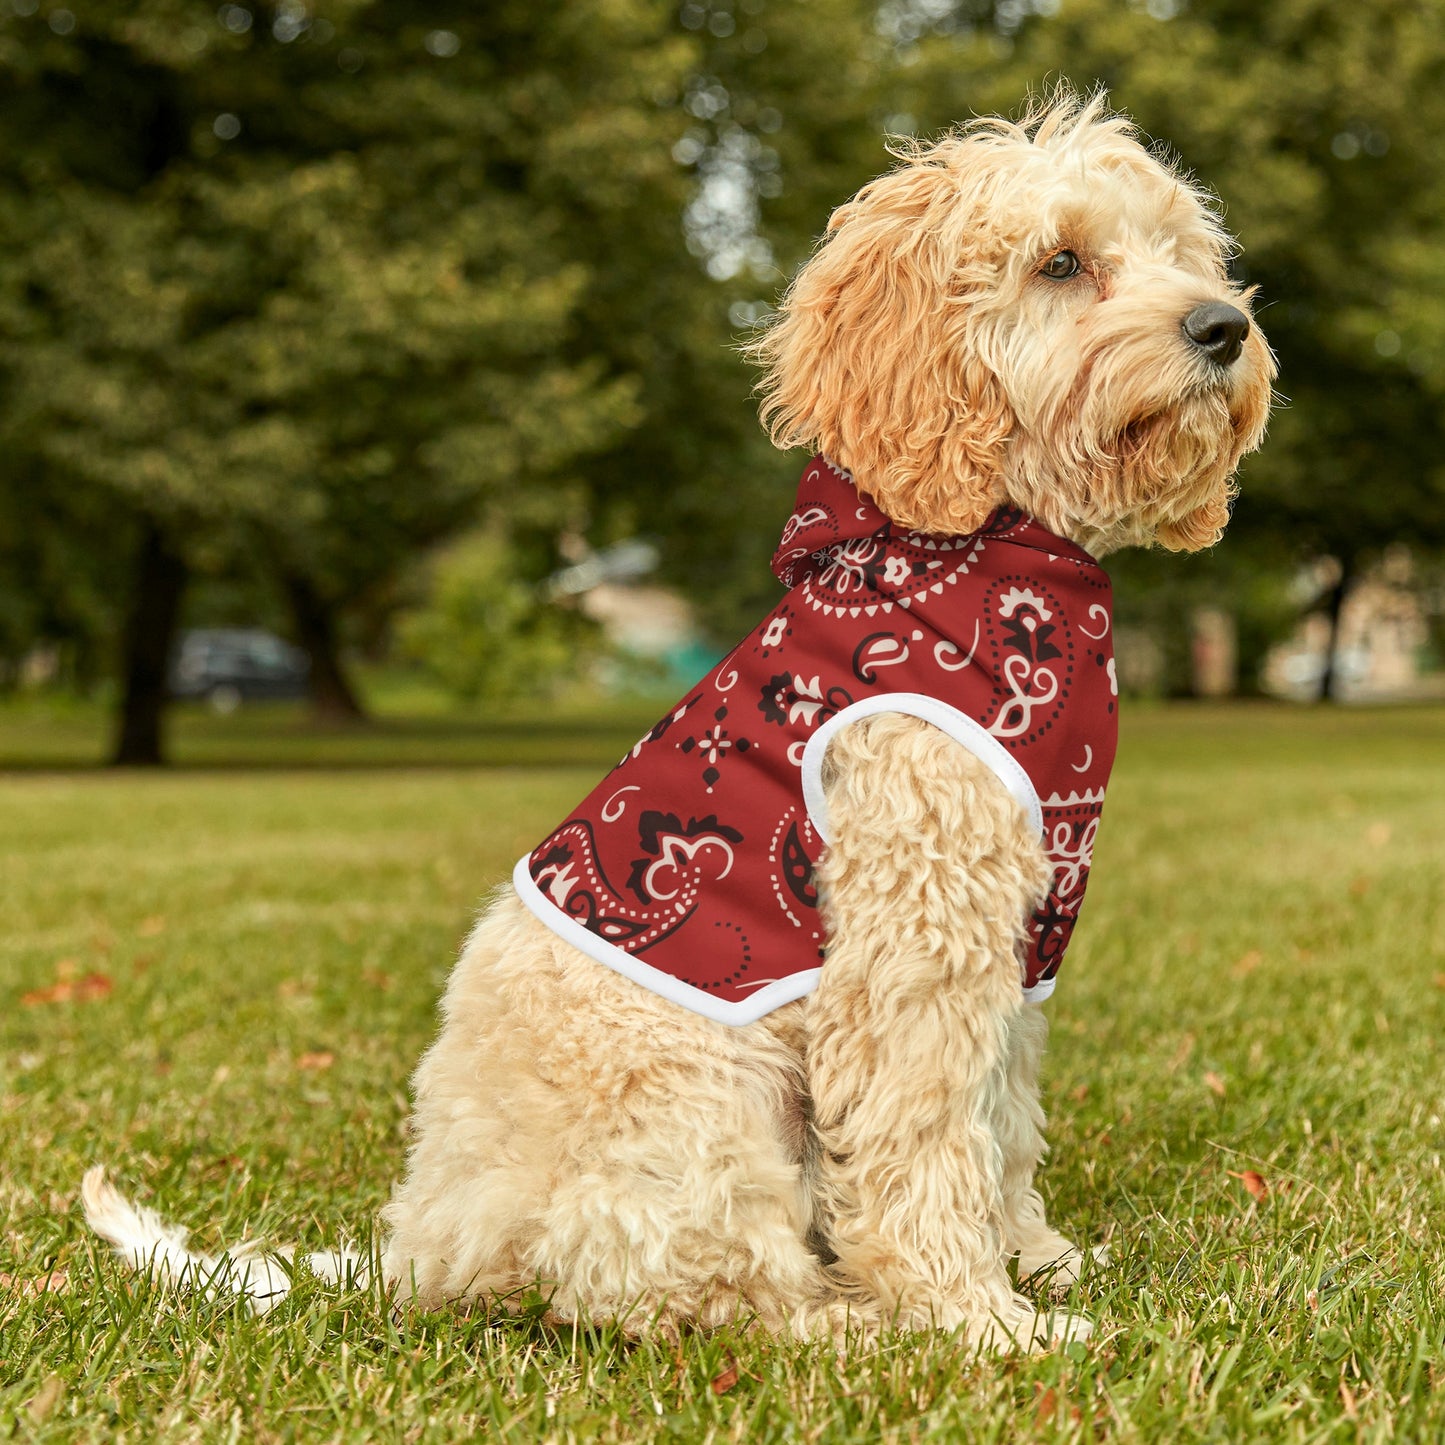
{"x":230,"y":665}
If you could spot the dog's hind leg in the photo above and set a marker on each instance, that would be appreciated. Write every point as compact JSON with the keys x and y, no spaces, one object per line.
{"x":930,"y":875}
{"x":577,"y":1135}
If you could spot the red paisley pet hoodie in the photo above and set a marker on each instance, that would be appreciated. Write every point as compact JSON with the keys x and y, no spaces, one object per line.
{"x":690,"y":867}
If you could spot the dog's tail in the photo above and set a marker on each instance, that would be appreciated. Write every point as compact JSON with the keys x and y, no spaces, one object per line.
{"x":147,"y":1243}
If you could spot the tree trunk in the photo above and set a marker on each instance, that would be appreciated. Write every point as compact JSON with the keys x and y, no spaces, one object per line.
{"x":150,"y":629}
{"x":1329,"y":678}
{"x":333,"y":699}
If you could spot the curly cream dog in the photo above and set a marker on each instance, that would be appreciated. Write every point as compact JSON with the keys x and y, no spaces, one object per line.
{"x":1033,"y":316}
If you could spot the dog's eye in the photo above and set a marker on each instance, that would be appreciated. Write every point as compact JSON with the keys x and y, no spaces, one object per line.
{"x":1060,"y":266}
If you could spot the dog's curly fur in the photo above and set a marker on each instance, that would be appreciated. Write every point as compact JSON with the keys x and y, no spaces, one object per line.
{"x":867,"y":1153}
{"x":865,"y":1156}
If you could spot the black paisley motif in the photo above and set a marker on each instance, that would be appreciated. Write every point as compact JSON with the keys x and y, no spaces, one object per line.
{"x":1054,"y":924}
{"x":581,"y":902}
{"x":1005,"y":519}
{"x":653,"y":823}
{"x":654,"y":828}
{"x":787,"y":698}
{"x":1032,"y":642}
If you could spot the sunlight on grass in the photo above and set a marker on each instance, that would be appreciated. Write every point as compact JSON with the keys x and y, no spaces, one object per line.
{"x":217,"y":981}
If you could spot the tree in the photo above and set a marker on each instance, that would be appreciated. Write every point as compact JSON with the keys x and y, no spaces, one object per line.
{"x":306,"y":288}
{"x":777,"y":118}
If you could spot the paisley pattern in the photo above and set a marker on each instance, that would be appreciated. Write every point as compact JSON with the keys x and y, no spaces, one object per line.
{"x":697,"y":851}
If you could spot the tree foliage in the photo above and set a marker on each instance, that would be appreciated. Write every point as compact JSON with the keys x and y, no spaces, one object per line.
{"x":313,"y":287}
{"x":302,"y":289}
{"x":485,"y":632}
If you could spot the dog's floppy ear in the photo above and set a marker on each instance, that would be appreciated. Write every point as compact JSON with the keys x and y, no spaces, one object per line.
{"x":871,"y":358}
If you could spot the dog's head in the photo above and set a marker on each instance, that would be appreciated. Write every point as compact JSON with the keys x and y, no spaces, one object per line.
{"x":1035,"y":313}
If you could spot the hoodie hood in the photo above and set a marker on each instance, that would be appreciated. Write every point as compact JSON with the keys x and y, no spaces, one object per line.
{"x":831,"y":517}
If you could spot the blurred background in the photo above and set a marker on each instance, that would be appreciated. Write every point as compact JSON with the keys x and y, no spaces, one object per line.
{"x":365,"y":360}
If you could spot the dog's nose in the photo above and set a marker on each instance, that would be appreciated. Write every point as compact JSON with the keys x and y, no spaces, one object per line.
{"x":1218,"y":331}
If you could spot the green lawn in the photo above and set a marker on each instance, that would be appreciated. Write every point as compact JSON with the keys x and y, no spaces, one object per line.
{"x":216,"y":981}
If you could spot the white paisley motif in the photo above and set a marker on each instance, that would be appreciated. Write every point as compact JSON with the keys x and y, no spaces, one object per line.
{"x":807,"y":701}
{"x":611,"y":814}
{"x":811,"y":518}
{"x":1017,"y":597}
{"x":943,"y":651}
{"x":1022,"y":704}
{"x":1101,"y":614}
{"x":561,"y":883}
{"x":845,"y":570}
{"x":886,"y":650}
{"x":677,"y":854}
{"x":1072,"y":862}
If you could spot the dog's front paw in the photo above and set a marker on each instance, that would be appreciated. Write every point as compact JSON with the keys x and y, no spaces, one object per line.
{"x":1023,"y":1326}
{"x":1056,"y":1267}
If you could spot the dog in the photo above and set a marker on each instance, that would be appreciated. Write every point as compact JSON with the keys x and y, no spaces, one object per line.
{"x":755,"y":1033}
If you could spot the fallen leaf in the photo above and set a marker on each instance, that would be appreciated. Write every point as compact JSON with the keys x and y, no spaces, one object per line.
{"x":320,"y":1059}
{"x":56,"y":1282}
{"x":1214,"y":1083}
{"x":1254,"y":1183}
{"x":56,"y":993}
{"x":1440,"y":980}
{"x":82,"y":990}
{"x":377,"y":978}
{"x":724,"y":1382}
{"x":151,"y":927}
{"x":1359,"y":886}
{"x":1248,"y":963}
{"x":1047,"y":1408}
{"x":1377,"y":834}
{"x":1080,"y":1094}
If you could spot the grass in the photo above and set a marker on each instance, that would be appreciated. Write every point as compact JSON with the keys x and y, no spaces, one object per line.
{"x":410,"y":728}
{"x":216,"y":980}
